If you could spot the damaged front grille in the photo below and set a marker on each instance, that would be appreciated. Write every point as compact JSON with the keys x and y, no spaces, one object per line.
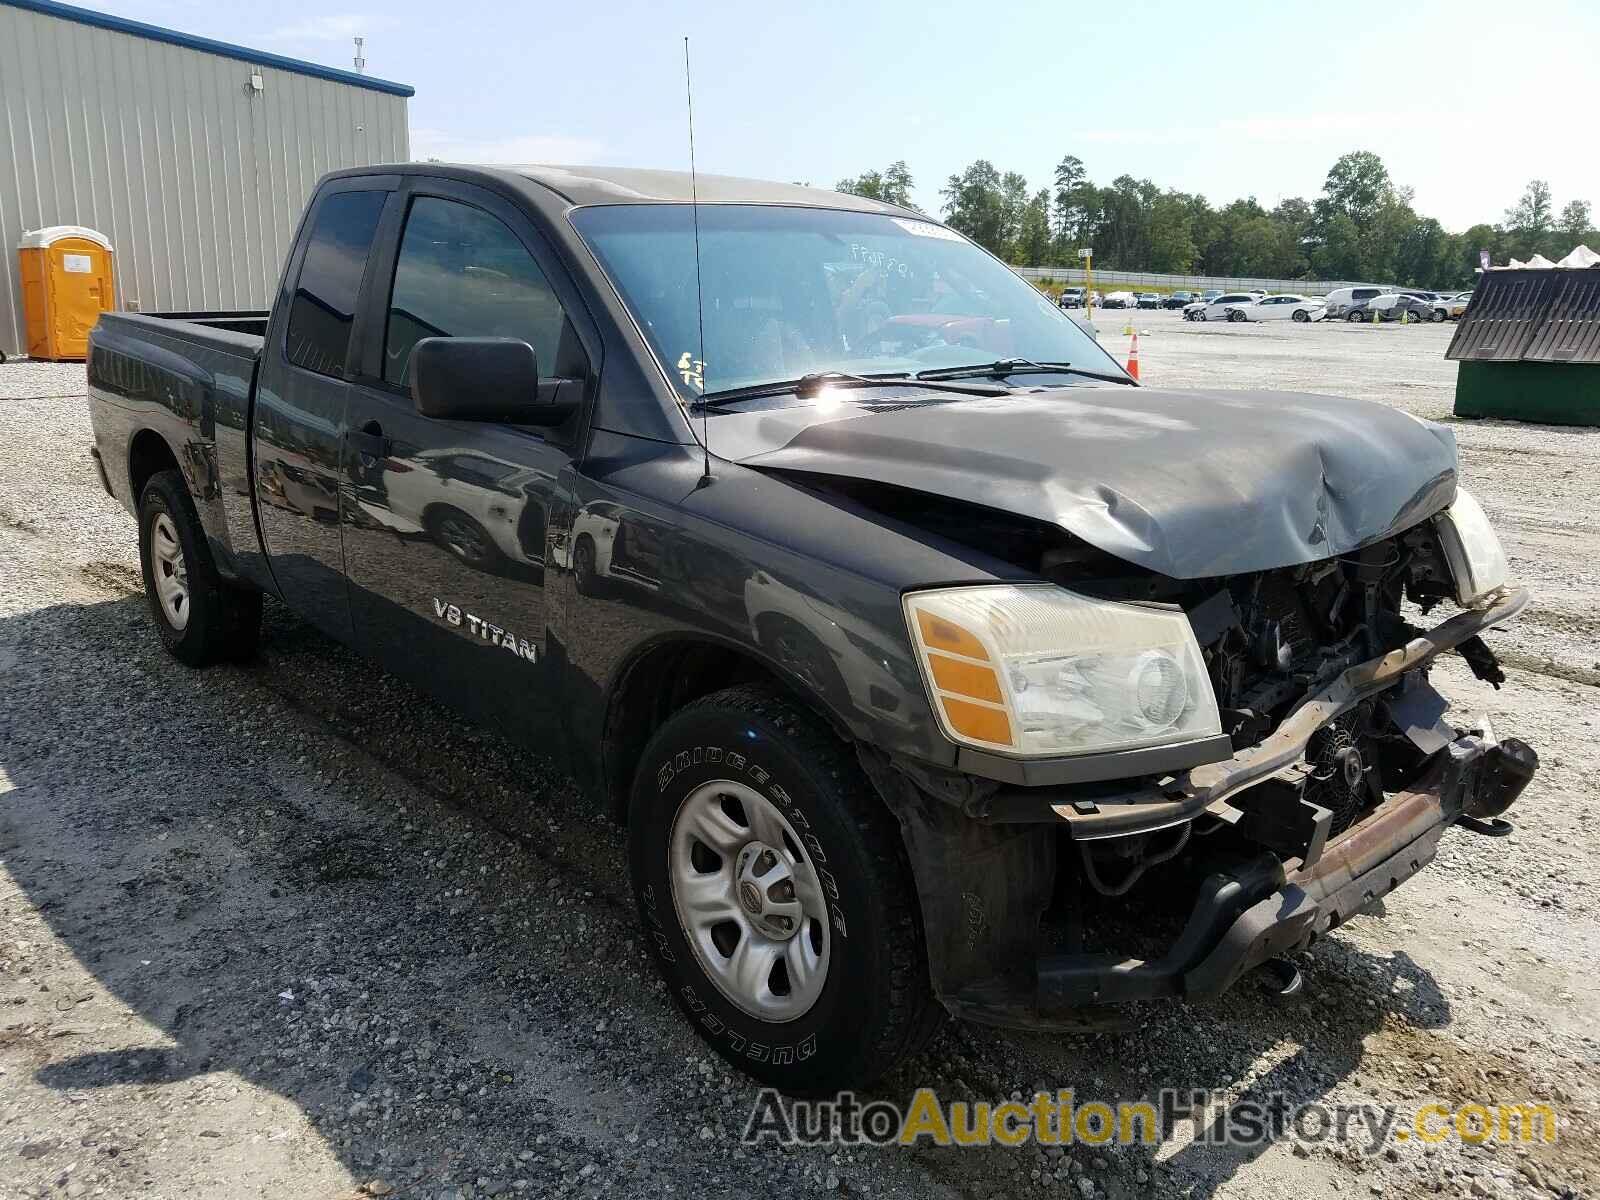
{"x":1272,"y":637}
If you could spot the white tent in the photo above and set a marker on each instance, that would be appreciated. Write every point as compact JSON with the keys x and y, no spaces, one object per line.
{"x":1580,"y":259}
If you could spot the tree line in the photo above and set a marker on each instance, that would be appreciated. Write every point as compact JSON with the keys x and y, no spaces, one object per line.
{"x":1362,"y":227}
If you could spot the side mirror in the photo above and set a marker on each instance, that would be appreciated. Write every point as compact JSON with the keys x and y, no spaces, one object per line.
{"x":488,"y":379}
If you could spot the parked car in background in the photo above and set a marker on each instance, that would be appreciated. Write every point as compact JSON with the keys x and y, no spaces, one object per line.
{"x":1216,"y":309}
{"x":1391,"y":306}
{"x":1451,"y":307}
{"x":1341,"y":300}
{"x":1209,"y":294}
{"x":1285,"y":307}
{"x":1071,"y":297}
{"x":1120,"y":300}
{"x":1149,"y":300}
{"x":1180,"y":299}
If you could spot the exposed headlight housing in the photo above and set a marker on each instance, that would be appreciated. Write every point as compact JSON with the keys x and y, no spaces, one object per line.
{"x":1477,"y":563}
{"x":1036,"y":671}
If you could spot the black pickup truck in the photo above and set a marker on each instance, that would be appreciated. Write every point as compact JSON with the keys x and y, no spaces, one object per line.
{"x":933,"y":664}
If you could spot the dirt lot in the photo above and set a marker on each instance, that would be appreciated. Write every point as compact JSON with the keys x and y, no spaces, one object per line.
{"x":292,"y":929}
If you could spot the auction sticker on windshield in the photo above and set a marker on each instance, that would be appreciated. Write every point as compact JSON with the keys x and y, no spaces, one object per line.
{"x":928,"y":230}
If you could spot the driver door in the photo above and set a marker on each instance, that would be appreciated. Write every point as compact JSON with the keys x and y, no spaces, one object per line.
{"x":446,"y":522}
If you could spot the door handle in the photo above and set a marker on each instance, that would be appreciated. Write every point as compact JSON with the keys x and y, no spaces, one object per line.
{"x":369,"y":443}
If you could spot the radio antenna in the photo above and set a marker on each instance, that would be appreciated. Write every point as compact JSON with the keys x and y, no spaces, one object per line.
{"x":699,"y":299}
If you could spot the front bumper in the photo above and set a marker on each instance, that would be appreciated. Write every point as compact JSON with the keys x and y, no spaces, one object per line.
{"x":986,"y":869}
{"x":1267,"y":907}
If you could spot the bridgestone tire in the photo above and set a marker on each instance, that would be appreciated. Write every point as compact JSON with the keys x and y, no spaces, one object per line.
{"x":875,"y":1006}
{"x":224,"y":622}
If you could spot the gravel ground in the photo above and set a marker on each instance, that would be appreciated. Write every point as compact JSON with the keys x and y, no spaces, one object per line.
{"x":292,"y":929}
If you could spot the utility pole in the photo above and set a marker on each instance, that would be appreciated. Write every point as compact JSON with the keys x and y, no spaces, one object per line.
{"x":1087,"y":255}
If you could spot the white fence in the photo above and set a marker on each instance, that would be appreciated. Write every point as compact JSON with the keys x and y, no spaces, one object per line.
{"x":1147,"y":280}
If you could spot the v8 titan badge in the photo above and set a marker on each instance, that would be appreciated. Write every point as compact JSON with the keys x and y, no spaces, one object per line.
{"x":451,"y":614}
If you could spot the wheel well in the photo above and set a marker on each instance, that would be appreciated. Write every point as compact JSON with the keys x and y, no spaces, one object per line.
{"x":148,"y":454}
{"x":437,"y":508}
{"x":658,"y":684}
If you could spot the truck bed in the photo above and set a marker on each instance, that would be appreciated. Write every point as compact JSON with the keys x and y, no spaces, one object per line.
{"x":243,"y":320}
{"x":189,"y":377}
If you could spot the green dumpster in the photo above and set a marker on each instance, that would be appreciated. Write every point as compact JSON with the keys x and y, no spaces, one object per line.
{"x":1529,"y":347}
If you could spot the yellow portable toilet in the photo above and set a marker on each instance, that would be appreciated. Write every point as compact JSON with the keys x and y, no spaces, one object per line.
{"x":66,"y":285}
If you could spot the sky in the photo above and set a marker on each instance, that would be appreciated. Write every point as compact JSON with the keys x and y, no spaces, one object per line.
{"x":1465,"y":102}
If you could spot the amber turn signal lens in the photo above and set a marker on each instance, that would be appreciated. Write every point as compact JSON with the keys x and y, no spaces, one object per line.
{"x":965,"y":678}
{"x":939,"y":634}
{"x":977,"y":722}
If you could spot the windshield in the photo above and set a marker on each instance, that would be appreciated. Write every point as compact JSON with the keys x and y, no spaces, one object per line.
{"x":789,"y":292}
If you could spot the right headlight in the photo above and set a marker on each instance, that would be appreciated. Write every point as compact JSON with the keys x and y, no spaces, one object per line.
{"x":1037,"y":671}
{"x":1477,"y":563}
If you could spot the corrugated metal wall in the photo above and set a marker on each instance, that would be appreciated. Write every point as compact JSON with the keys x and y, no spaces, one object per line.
{"x":197,"y":179}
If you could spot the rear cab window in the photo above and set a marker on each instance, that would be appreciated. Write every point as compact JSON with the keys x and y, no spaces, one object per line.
{"x":322,"y":310}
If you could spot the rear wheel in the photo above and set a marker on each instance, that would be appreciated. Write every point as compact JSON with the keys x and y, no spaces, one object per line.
{"x":1355,"y":316}
{"x":584,"y":573}
{"x":773,"y":884}
{"x":200,"y":616}
{"x":464,"y":537}
{"x":1301,"y":315}
{"x":1235,"y":315}
{"x":1438,"y":315}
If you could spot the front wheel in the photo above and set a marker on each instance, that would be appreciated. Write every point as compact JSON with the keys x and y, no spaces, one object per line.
{"x":773,"y":885}
{"x":1355,"y":316}
{"x":1438,"y":315}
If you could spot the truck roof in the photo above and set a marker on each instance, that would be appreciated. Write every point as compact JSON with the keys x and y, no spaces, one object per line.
{"x":581,"y":185}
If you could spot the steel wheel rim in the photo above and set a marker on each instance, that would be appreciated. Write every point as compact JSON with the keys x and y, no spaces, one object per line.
{"x":170,"y":571}
{"x":730,"y":855}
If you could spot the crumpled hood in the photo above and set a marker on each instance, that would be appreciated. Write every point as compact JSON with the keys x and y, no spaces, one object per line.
{"x":1185,"y":483}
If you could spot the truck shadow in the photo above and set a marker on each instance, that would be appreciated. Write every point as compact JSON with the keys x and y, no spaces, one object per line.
{"x":306,"y":874}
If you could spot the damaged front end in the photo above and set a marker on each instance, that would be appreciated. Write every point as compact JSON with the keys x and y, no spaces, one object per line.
{"x":1045,"y":901}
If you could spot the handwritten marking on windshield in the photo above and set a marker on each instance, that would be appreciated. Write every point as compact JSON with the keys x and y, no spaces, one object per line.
{"x":693,"y":371}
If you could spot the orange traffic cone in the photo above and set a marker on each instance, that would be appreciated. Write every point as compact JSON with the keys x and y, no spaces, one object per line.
{"x":1133,"y":356}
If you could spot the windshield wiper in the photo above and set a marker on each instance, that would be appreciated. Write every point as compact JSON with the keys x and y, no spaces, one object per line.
{"x":1004,"y":367}
{"x":807,"y":386}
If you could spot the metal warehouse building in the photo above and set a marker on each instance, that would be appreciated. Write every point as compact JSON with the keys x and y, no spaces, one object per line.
{"x":194,"y":157}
